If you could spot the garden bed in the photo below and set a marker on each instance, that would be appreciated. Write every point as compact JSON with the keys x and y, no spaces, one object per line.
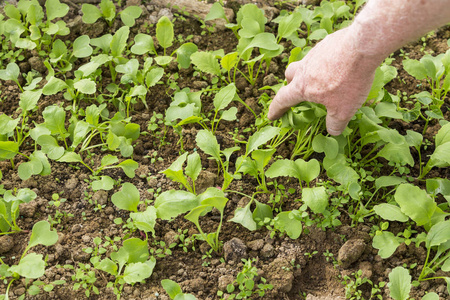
{"x":123,"y":147}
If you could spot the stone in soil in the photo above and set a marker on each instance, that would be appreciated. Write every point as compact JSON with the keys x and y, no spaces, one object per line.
{"x":350,"y":252}
{"x":224,"y":281}
{"x":235,"y":250}
{"x":279,"y":274}
{"x":6,"y":243}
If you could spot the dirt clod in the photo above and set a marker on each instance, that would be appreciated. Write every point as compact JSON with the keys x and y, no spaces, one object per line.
{"x":234,"y":250}
{"x":351,"y":251}
{"x":6,"y":243}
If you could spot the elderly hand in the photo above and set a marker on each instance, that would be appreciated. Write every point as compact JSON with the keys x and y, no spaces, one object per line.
{"x":334,"y":73}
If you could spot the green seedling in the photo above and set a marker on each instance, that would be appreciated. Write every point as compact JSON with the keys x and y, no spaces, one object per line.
{"x":193,"y":169}
{"x":172,"y":203}
{"x":245,"y":281}
{"x":435,"y":70}
{"x":440,"y":157}
{"x":174,"y":291}
{"x":400,"y":285}
{"x":128,"y":198}
{"x":108,"y":11}
{"x":9,"y":208}
{"x":129,"y":265}
{"x":85,"y":278}
{"x":26,"y":27}
{"x":11,"y":73}
{"x":31,"y":266}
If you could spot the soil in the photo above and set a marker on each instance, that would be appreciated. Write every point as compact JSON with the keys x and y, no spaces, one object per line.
{"x":297,"y":269}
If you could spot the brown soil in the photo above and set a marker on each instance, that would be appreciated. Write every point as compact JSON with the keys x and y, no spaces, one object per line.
{"x":297,"y":269}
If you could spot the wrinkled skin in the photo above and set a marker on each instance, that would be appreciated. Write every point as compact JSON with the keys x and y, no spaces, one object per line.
{"x":338,"y":72}
{"x":331,"y":74}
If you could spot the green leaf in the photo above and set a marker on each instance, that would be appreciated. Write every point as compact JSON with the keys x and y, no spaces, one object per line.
{"x":29,"y":99}
{"x":127,"y":198}
{"x":137,"y":272}
{"x":207,"y":142}
{"x":287,"y":221}
{"x":443,"y":135}
{"x":184,"y":53}
{"x":79,"y":133}
{"x":318,"y":34}
{"x":164,"y":32}
{"x":70,"y":157}
{"x":415,"y":68}
{"x":130,"y":14}
{"x":390,"y":212}
{"x":171,"y":287}
{"x":108,"y":10}
{"x":109,"y":160}
{"x":438,"y":234}
{"x":146,"y":220}
{"x":81,"y":47}
{"x":289,"y":24}
{"x":7,"y":124}
{"x":32,"y":266}
{"x":163,"y":60}
{"x":194,"y":166}
{"x":129,"y":166}
{"x":229,"y":61}
{"x":415,"y":203}
{"x":153,"y":76}
{"x":261,"y":137}
{"x":399,"y":153}
{"x":86,"y":86}
{"x":184,"y":297}
{"x":105,"y":183}
{"x":195,"y":213}
{"x":108,"y":266}
{"x":134,"y":250}
{"x":316,"y":198}
{"x":32,"y":167}
{"x":325,"y":144}
{"x":172,"y":203}
{"x":143,"y":43}
{"x":10,"y":73}
{"x":55,"y":118}
{"x":385,"y":181}
{"x":224,"y":97}
{"x":399,"y":283}
{"x":55,"y":9}
{"x":119,"y":41}
{"x":261,"y":212}
{"x":42,"y":235}
{"x":243,"y":216}
{"x":431,"y":296}
{"x":103,"y":42}
{"x":386,"y":243}
{"x":206,"y":62}
{"x":53,"y":86}
{"x":216,"y":12}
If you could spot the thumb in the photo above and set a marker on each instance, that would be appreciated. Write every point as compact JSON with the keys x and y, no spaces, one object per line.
{"x":286,"y":97}
{"x":335,"y":126}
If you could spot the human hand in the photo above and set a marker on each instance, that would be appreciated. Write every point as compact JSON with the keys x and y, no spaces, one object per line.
{"x":334,"y":73}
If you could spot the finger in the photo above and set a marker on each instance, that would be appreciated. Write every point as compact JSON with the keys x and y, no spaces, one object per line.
{"x":291,"y":70}
{"x":334,"y":125}
{"x":286,"y":97}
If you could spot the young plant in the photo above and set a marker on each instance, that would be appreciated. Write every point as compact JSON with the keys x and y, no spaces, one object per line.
{"x":245,"y":280}
{"x":193,"y":169}
{"x":31,"y":266}
{"x":129,"y":265}
{"x":174,"y":291}
{"x":107,"y":11}
{"x":128,"y":198}
{"x":174,"y":202}
{"x":9,"y":208}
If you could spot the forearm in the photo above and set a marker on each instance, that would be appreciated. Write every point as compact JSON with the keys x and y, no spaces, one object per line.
{"x":384,"y":26}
